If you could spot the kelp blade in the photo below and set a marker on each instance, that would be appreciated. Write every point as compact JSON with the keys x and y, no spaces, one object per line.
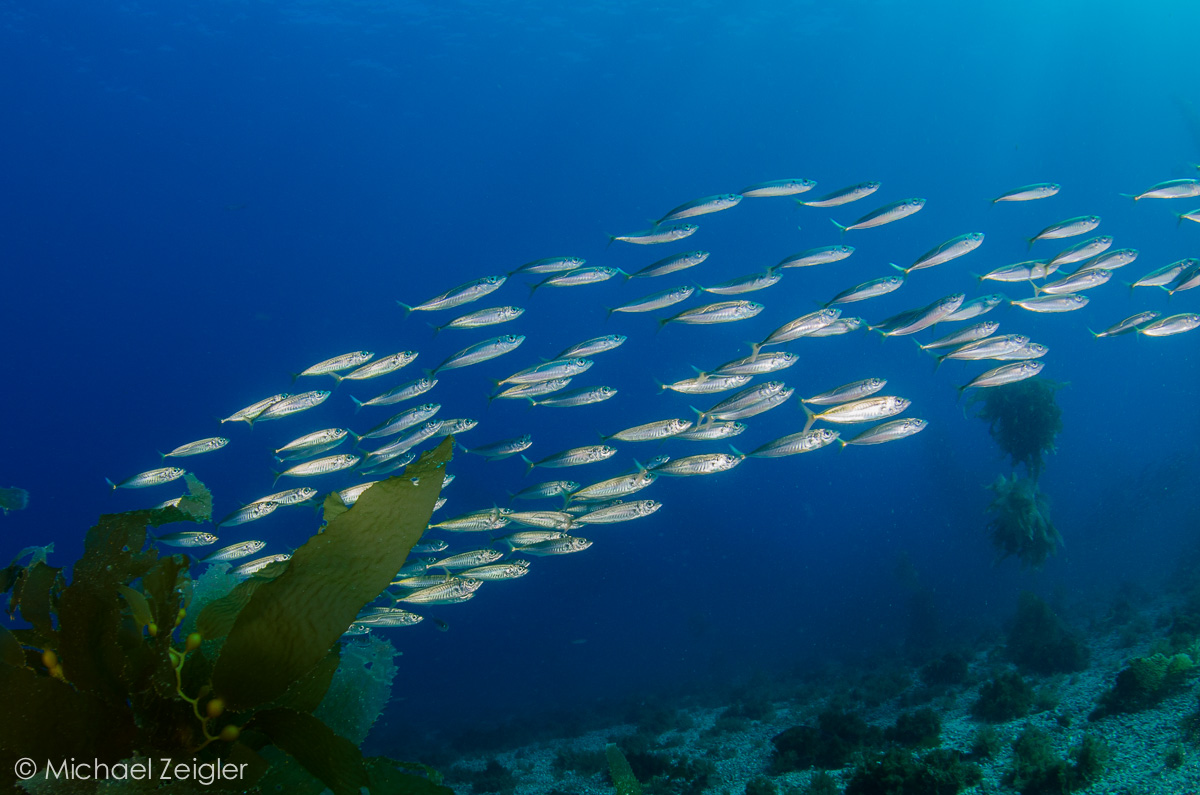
{"x":290,"y":623}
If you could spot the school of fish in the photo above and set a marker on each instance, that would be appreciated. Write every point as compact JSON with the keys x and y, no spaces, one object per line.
{"x":443,"y":569}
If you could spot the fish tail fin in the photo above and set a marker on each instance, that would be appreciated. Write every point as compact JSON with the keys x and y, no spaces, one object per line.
{"x":278,"y":475}
{"x":436,"y":329}
{"x":1179,"y":219}
{"x":1029,"y":242}
{"x":897,"y":267}
{"x":337,"y":379}
{"x":844,"y":444}
{"x":700,"y":287}
{"x":358,"y":404}
{"x":407,"y":309}
{"x":938,"y":359}
{"x":841,"y":228}
{"x":755,"y":347}
{"x":809,"y":417}
{"x":1128,"y":196}
{"x":662,"y":322}
{"x":161,"y":456}
{"x":608,"y":312}
{"x":961,"y":389}
{"x":700,"y":415}
{"x":1095,"y":336}
{"x":611,"y":239}
{"x":109,"y":482}
{"x":627,"y":276}
{"x":294,"y":376}
{"x":533,"y":288}
{"x":529,"y":465}
{"x":532,"y":402}
{"x":639,"y":465}
{"x":737,"y":452}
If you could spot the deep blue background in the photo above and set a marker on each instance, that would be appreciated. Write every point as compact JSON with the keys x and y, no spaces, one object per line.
{"x":199,"y":198}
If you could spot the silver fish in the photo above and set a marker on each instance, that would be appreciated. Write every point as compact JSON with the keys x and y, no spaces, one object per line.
{"x":523,"y":538}
{"x":709,"y":204}
{"x":1030,"y":350}
{"x":382,"y":463}
{"x":398,"y":394}
{"x":975,"y":307}
{"x":671,"y":264}
{"x":456,"y":426}
{"x":1192,"y":215}
{"x":838,"y":327}
{"x":869,"y":409}
{"x":350,"y":496}
{"x":531,"y":390}
{"x":777,"y":187}
{"x":551,"y":265}
{"x":920,"y":319}
{"x":151,"y":477}
{"x":707,"y":384}
{"x":1071,"y":227}
{"x":457,"y":296}
{"x":664,"y":234}
{"x":453,"y":591}
{"x":1169,"y":326}
{"x":1021,"y":272}
{"x":593,"y":346}
{"x":252,"y":512}
{"x":577,"y":277}
{"x":475,"y":521}
{"x":484,"y":317}
{"x":346,"y":361}
{"x":405,"y":442}
{"x":1053,"y":303}
{"x":197,"y":447}
{"x":254,"y":566}
{"x":293,"y":405}
{"x":816,"y":256}
{"x":712,"y":430}
{"x":544,"y":520}
{"x":620,"y":513}
{"x":747,"y":397}
{"x":1163,"y":276}
{"x":720,"y":312}
{"x":871,"y":289}
{"x":481,"y":352}
{"x":614,"y":488}
{"x":1005,"y":374}
{"x":654,"y":463}
{"x":800,"y":327}
{"x":576,"y":456}
{"x":402,"y":421}
{"x":969,"y":334}
{"x":387,"y":617}
{"x":886,"y":214}
{"x":1085,"y":250}
{"x":582,"y":396}
{"x":764,"y":363}
{"x":1110,"y":260}
{"x":509,"y":570}
{"x":650,"y":431}
{"x":659,"y":300}
{"x":320,"y":466}
{"x":251,"y":412}
{"x":314,"y":439}
{"x":543,"y":491}
{"x":556,"y":368}
{"x":187,"y":538}
{"x":842,"y":196}
{"x":426,"y":547}
{"x":988,"y":348}
{"x":704,"y":464}
{"x":752,"y":410}
{"x":1083,"y":280}
{"x":1025,"y":193}
{"x":465,"y":560}
{"x":388,"y":364}
{"x":847,"y":392}
{"x":951,"y":249}
{"x":796,"y":443}
{"x":746,"y":284}
{"x":1171,"y":189}
{"x":557,"y":546}
{"x":1128,"y":325}
{"x":887,"y":432}
{"x":502,"y":449}
{"x":234,"y":551}
{"x":291,"y":496}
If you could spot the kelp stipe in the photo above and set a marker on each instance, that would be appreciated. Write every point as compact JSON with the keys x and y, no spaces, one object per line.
{"x":105,"y":673}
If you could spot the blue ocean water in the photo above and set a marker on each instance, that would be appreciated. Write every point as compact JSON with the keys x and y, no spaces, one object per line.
{"x":201,"y":198}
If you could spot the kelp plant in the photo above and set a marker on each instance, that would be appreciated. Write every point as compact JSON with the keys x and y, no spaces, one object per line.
{"x":1020,"y":523}
{"x":1024,"y":419}
{"x":104,"y":677}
